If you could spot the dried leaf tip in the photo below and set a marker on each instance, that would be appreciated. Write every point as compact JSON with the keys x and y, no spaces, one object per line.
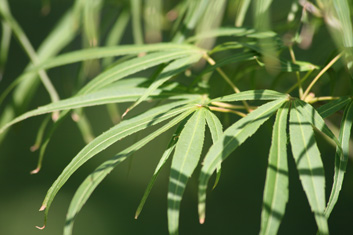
{"x":41,"y":228}
{"x":127,"y":110}
{"x":202,"y":220}
{"x":35,"y":171}
{"x":34,"y":148}
{"x":42,"y":208}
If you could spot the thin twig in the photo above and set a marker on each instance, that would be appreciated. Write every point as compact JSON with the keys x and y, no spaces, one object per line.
{"x":320,"y":74}
{"x":223,"y":110}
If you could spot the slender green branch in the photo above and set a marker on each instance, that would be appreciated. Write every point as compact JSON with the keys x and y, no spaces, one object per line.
{"x":322,"y":98}
{"x":226,"y":78}
{"x":291,"y":52}
{"x":320,"y":74}
{"x":223,"y":110}
{"x":301,"y":81}
{"x":25,"y":43}
{"x":231,"y":106}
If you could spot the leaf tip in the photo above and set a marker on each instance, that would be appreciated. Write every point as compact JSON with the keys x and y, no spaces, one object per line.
{"x":41,"y":228}
{"x":35,"y":171}
{"x":202,"y":220}
{"x":34,"y":147}
{"x":124,"y":114}
{"x":42,"y":208}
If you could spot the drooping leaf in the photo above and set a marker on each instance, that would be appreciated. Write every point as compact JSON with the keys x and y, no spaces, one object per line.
{"x":161,"y":163}
{"x":308,"y":160}
{"x":233,"y":137}
{"x":93,"y":180}
{"x":186,"y":157}
{"x":123,"y":129}
{"x":276,"y":186}
{"x":251,"y":95}
{"x":113,"y":94}
{"x":341,"y":159}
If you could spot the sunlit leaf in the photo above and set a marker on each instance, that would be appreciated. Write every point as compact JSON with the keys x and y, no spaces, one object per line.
{"x":251,"y":95}
{"x":233,"y":137}
{"x":308,"y":160}
{"x":333,"y":106}
{"x":93,"y":180}
{"x":103,"y":141}
{"x":276,"y":186}
{"x":341,"y":159}
{"x":185,"y":159}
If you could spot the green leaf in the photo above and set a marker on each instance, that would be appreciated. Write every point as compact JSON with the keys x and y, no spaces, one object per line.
{"x":171,"y":70}
{"x":216,"y":129}
{"x":103,"y":52}
{"x":93,"y":180}
{"x":333,"y":106}
{"x":313,"y":117}
{"x":161,"y":163}
{"x":123,"y":129}
{"x":221,"y":32}
{"x":276,"y":186}
{"x":113,"y":94}
{"x":132,"y":66}
{"x":309,"y":164}
{"x":341,"y":160}
{"x":186,"y":157}
{"x":251,"y":95}
{"x":243,"y":7}
{"x":233,"y":137}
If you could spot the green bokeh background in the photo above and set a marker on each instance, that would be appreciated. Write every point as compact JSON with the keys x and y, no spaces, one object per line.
{"x":234,"y":207}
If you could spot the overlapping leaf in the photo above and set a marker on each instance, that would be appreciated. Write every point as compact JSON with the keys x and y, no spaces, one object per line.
{"x":123,"y":129}
{"x":251,"y":95}
{"x":93,"y":180}
{"x":234,"y":136}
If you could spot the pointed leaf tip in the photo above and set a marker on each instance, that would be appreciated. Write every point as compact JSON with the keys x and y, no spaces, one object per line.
{"x":33,"y":148}
{"x":41,"y":228}
{"x":124,"y":114}
{"x":42,"y":208}
{"x":202,"y":220}
{"x":35,"y":171}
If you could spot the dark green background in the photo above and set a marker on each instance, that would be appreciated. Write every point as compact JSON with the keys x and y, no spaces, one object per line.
{"x":234,"y":207}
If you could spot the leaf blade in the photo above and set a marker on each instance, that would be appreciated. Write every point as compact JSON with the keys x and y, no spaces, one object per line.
{"x":309,"y":164}
{"x":186,"y":157}
{"x":234,"y":136}
{"x":276,"y":186}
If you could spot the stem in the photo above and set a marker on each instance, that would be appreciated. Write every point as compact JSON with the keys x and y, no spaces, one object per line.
{"x":226,"y":78}
{"x":297,"y":72}
{"x":320,"y":74}
{"x":230,"y":106}
{"x":25,"y":43}
{"x":322,"y":98}
{"x":223,"y":110}
{"x":301,"y":81}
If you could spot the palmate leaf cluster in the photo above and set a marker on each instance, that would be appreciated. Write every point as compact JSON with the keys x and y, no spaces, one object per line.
{"x":196,"y":37}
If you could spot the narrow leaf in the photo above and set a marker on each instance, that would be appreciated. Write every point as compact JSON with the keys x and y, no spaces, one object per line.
{"x":251,"y":95}
{"x":186,"y":157}
{"x":123,"y":129}
{"x":216,"y":129}
{"x":161,"y":163}
{"x":233,"y":137}
{"x":341,"y":159}
{"x":333,"y":106}
{"x":308,"y":160}
{"x":93,"y":180}
{"x":276,"y":186}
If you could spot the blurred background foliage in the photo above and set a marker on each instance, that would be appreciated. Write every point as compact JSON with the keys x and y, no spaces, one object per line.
{"x":234,"y":207}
